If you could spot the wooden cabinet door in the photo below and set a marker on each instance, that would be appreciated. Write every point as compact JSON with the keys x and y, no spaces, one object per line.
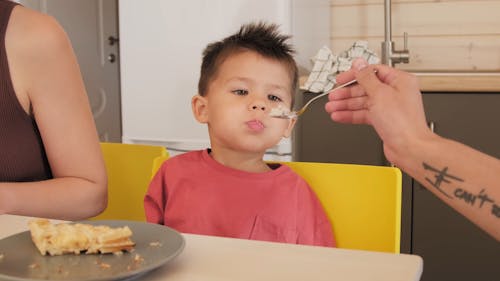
{"x":452,"y":247}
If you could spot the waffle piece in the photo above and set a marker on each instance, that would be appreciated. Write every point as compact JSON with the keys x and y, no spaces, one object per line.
{"x":60,"y":239}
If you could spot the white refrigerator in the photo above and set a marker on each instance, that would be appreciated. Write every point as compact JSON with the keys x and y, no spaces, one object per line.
{"x":161,"y":42}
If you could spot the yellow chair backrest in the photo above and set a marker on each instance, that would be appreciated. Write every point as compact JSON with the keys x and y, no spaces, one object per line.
{"x":157,"y":163}
{"x":129,"y":173}
{"x":362,"y":202}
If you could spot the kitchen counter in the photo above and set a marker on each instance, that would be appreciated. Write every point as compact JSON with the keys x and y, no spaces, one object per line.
{"x":459,"y":81}
{"x":454,"y":81}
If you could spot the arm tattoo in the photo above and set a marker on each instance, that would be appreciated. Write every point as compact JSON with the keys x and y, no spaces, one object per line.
{"x":479,"y":200}
{"x":440,"y":176}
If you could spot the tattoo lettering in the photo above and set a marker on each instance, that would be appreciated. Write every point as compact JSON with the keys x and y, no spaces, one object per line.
{"x":471,"y":198}
{"x":466,"y":196}
{"x":495,"y":210}
{"x":440,"y":176}
{"x":482,"y":199}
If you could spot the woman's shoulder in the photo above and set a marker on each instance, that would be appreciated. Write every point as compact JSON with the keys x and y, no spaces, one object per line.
{"x":33,"y":32}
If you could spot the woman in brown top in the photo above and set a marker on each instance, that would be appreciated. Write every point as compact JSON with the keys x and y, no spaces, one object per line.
{"x":50,"y":159}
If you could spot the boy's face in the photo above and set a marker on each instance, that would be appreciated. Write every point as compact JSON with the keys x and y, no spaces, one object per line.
{"x":236,"y":108}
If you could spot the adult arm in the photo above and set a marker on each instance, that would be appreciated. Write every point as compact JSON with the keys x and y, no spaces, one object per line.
{"x":389,"y":100}
{"x":48,"y":83}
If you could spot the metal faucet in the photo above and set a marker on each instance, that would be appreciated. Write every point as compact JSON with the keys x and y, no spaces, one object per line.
{"x":390,"y":55}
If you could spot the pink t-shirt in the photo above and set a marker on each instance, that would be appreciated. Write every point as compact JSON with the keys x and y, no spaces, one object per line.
{"x":193,"y":193}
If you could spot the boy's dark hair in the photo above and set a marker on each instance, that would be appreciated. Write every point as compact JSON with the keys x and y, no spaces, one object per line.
{"x":261,"y":38}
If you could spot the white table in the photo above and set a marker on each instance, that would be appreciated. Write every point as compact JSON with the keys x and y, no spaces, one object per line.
{"x":207,"y":258}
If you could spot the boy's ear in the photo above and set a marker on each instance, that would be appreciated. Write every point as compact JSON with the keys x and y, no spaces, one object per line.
{"x":288,"y":130}
{"x":200,"y":109}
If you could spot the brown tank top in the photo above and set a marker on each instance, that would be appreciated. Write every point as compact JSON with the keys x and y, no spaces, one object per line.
{"x":22,"y":155}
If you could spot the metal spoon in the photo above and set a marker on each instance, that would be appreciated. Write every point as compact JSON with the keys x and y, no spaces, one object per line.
{"x":284,"y":114}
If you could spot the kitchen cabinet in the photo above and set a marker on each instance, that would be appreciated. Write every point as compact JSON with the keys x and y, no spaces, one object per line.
{"x":451,"y":246}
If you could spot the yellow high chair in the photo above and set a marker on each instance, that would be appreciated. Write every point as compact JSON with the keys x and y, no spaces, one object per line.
{"x":129,"y":173}
{"x":363,"y":203}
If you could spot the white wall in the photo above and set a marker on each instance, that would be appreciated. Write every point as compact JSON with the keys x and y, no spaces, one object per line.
{"x":160,"y":48}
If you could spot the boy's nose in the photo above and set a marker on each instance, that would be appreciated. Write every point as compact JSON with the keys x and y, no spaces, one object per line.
{"x":257,"y":105}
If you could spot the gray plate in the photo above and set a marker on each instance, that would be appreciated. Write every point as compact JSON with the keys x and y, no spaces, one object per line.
{"x":22,"y":261}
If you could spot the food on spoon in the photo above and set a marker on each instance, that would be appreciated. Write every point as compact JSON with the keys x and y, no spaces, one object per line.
{"x":66,"y":238}
{"x":279,"y":111}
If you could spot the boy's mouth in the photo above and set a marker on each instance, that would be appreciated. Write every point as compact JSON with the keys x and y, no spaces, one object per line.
{"x":255,"y":125}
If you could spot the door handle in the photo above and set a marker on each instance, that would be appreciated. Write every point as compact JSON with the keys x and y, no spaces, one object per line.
{"x":112,"y":40}
{"x":111,"y":58}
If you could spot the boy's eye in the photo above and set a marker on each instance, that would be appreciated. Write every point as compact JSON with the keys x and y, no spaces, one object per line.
{"x":274,"y":98}
{"x":240,"y":92}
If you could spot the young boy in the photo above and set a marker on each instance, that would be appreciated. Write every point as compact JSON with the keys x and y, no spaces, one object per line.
{"x":229,"y":190}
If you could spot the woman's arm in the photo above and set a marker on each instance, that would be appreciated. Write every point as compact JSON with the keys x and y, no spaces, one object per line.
{"x":47,"y":79}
